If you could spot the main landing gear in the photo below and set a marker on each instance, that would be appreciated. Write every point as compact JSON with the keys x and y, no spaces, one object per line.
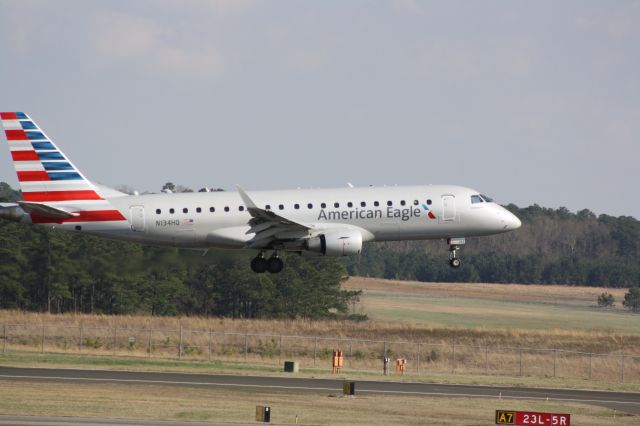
{"x":260,"y":264}
{"x":455,"y":245}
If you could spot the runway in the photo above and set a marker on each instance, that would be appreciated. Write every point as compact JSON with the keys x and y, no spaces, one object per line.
{"x":628,"y":402}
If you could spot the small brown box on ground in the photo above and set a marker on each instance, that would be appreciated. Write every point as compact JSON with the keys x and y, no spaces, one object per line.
{"x":349,"y":388}
{"x":263,"y":414}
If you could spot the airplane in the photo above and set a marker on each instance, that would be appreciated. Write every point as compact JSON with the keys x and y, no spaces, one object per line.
{"x":314,"y":222}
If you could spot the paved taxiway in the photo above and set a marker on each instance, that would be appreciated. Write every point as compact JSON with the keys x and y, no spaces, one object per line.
{"x":622,"y":401}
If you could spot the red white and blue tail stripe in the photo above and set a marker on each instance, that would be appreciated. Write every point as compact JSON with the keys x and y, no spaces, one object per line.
{"x":47,"y":176}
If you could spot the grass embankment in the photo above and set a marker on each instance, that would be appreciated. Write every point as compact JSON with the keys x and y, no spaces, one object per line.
{"x":512,"y":314}
{"x":207,"y":404}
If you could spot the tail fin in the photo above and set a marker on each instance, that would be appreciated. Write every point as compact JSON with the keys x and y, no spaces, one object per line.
{"x":53,"y":189}
{"x":44,"y":172}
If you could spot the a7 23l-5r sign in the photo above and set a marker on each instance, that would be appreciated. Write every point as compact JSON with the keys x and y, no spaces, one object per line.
{"x":505,"y":417}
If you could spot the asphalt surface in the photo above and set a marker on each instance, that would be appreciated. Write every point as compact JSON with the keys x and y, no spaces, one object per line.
{"x":628,"y":402}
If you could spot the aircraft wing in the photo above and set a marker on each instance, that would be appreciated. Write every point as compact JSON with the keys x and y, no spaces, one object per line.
{"x":269,"y":226}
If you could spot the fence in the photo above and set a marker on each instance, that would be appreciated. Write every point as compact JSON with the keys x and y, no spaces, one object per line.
{"x":315,"y":352}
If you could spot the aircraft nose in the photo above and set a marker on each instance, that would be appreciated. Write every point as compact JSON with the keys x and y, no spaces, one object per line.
{"x":505,"y":220}
{"x":511,"y":221}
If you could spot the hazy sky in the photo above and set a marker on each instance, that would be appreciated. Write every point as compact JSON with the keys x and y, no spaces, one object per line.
{"x":530,"y":102}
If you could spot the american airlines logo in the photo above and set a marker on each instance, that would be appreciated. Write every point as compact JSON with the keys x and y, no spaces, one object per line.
{"x":390,"y":212}
{"x":430,"y":214}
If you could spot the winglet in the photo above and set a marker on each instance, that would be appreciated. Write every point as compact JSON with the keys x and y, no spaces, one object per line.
{"x":245,"y":198}
{"x":260,"y":216}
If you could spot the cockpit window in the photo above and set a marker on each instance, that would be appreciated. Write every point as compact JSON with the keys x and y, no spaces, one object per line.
{"x":475,"y":199}
{"x":487,"y":199}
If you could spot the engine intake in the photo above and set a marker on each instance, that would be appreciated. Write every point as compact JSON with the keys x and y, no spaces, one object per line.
{"x":347,"y":242}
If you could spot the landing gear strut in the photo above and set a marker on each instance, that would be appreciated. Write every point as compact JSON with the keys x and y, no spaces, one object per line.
{"x":260,"y":264}
{"x":455,"y":244}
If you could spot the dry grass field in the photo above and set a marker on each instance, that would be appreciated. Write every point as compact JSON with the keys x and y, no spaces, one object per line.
{"x":485,"y":314}
{"x":530,"y":315}
{"x":236,"y":405}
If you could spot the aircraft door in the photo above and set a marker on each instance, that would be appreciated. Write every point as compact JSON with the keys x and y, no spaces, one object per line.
{"x":137,"y":218}
{"x":448,"y":208}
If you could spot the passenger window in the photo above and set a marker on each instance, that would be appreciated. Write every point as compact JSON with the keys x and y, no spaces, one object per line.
{"x":281,"y":206}
{"x":349,"y":204}
{"x":226,"y":208}
{"x":363,"y":204}
{"x":323,"y":205}
{"x":296,"y":206}
{"x":309,"y":206}
{"x":158,"y":211}
{"x":212,"y":209}
{"x":185,"y":210}
{"x":475,"y":199}
{"x":429,"y":202}
{"x":241,"y":208}
{"x":198,"y":209}
{"x":389,"y":203}
{"x":416,"y":202}
{"x":267,"y":207}
{"x":172,"y":211}
{"x":336,"y":205}
{"x":402,"y":203}
{"x":376,"y":203}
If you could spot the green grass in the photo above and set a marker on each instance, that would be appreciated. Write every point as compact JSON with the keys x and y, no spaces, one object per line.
{"x":486,"y":313}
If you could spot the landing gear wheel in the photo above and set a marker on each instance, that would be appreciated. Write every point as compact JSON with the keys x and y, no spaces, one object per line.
{"x":259,"y":264}
{"x":275,"y":265}
{"x":455,"y":263}
{"x":455,"y":244}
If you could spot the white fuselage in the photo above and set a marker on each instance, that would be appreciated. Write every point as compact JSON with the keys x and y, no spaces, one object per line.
{"x":220,"y":219}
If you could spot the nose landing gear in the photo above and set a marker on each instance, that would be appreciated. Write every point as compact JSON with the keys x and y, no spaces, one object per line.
{"x":260,"y":264}
{"x":455,"y":245}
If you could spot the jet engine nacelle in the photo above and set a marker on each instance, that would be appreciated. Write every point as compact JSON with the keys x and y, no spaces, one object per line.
{"x":347,"y":242}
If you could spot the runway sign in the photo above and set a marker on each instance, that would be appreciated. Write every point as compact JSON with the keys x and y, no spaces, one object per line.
{"x":504,"y":417}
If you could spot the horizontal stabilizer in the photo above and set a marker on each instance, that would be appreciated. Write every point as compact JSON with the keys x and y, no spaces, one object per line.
{"x":45,"y":210}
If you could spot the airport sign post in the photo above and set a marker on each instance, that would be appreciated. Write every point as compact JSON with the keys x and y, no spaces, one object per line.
{"x":506,"y":417}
